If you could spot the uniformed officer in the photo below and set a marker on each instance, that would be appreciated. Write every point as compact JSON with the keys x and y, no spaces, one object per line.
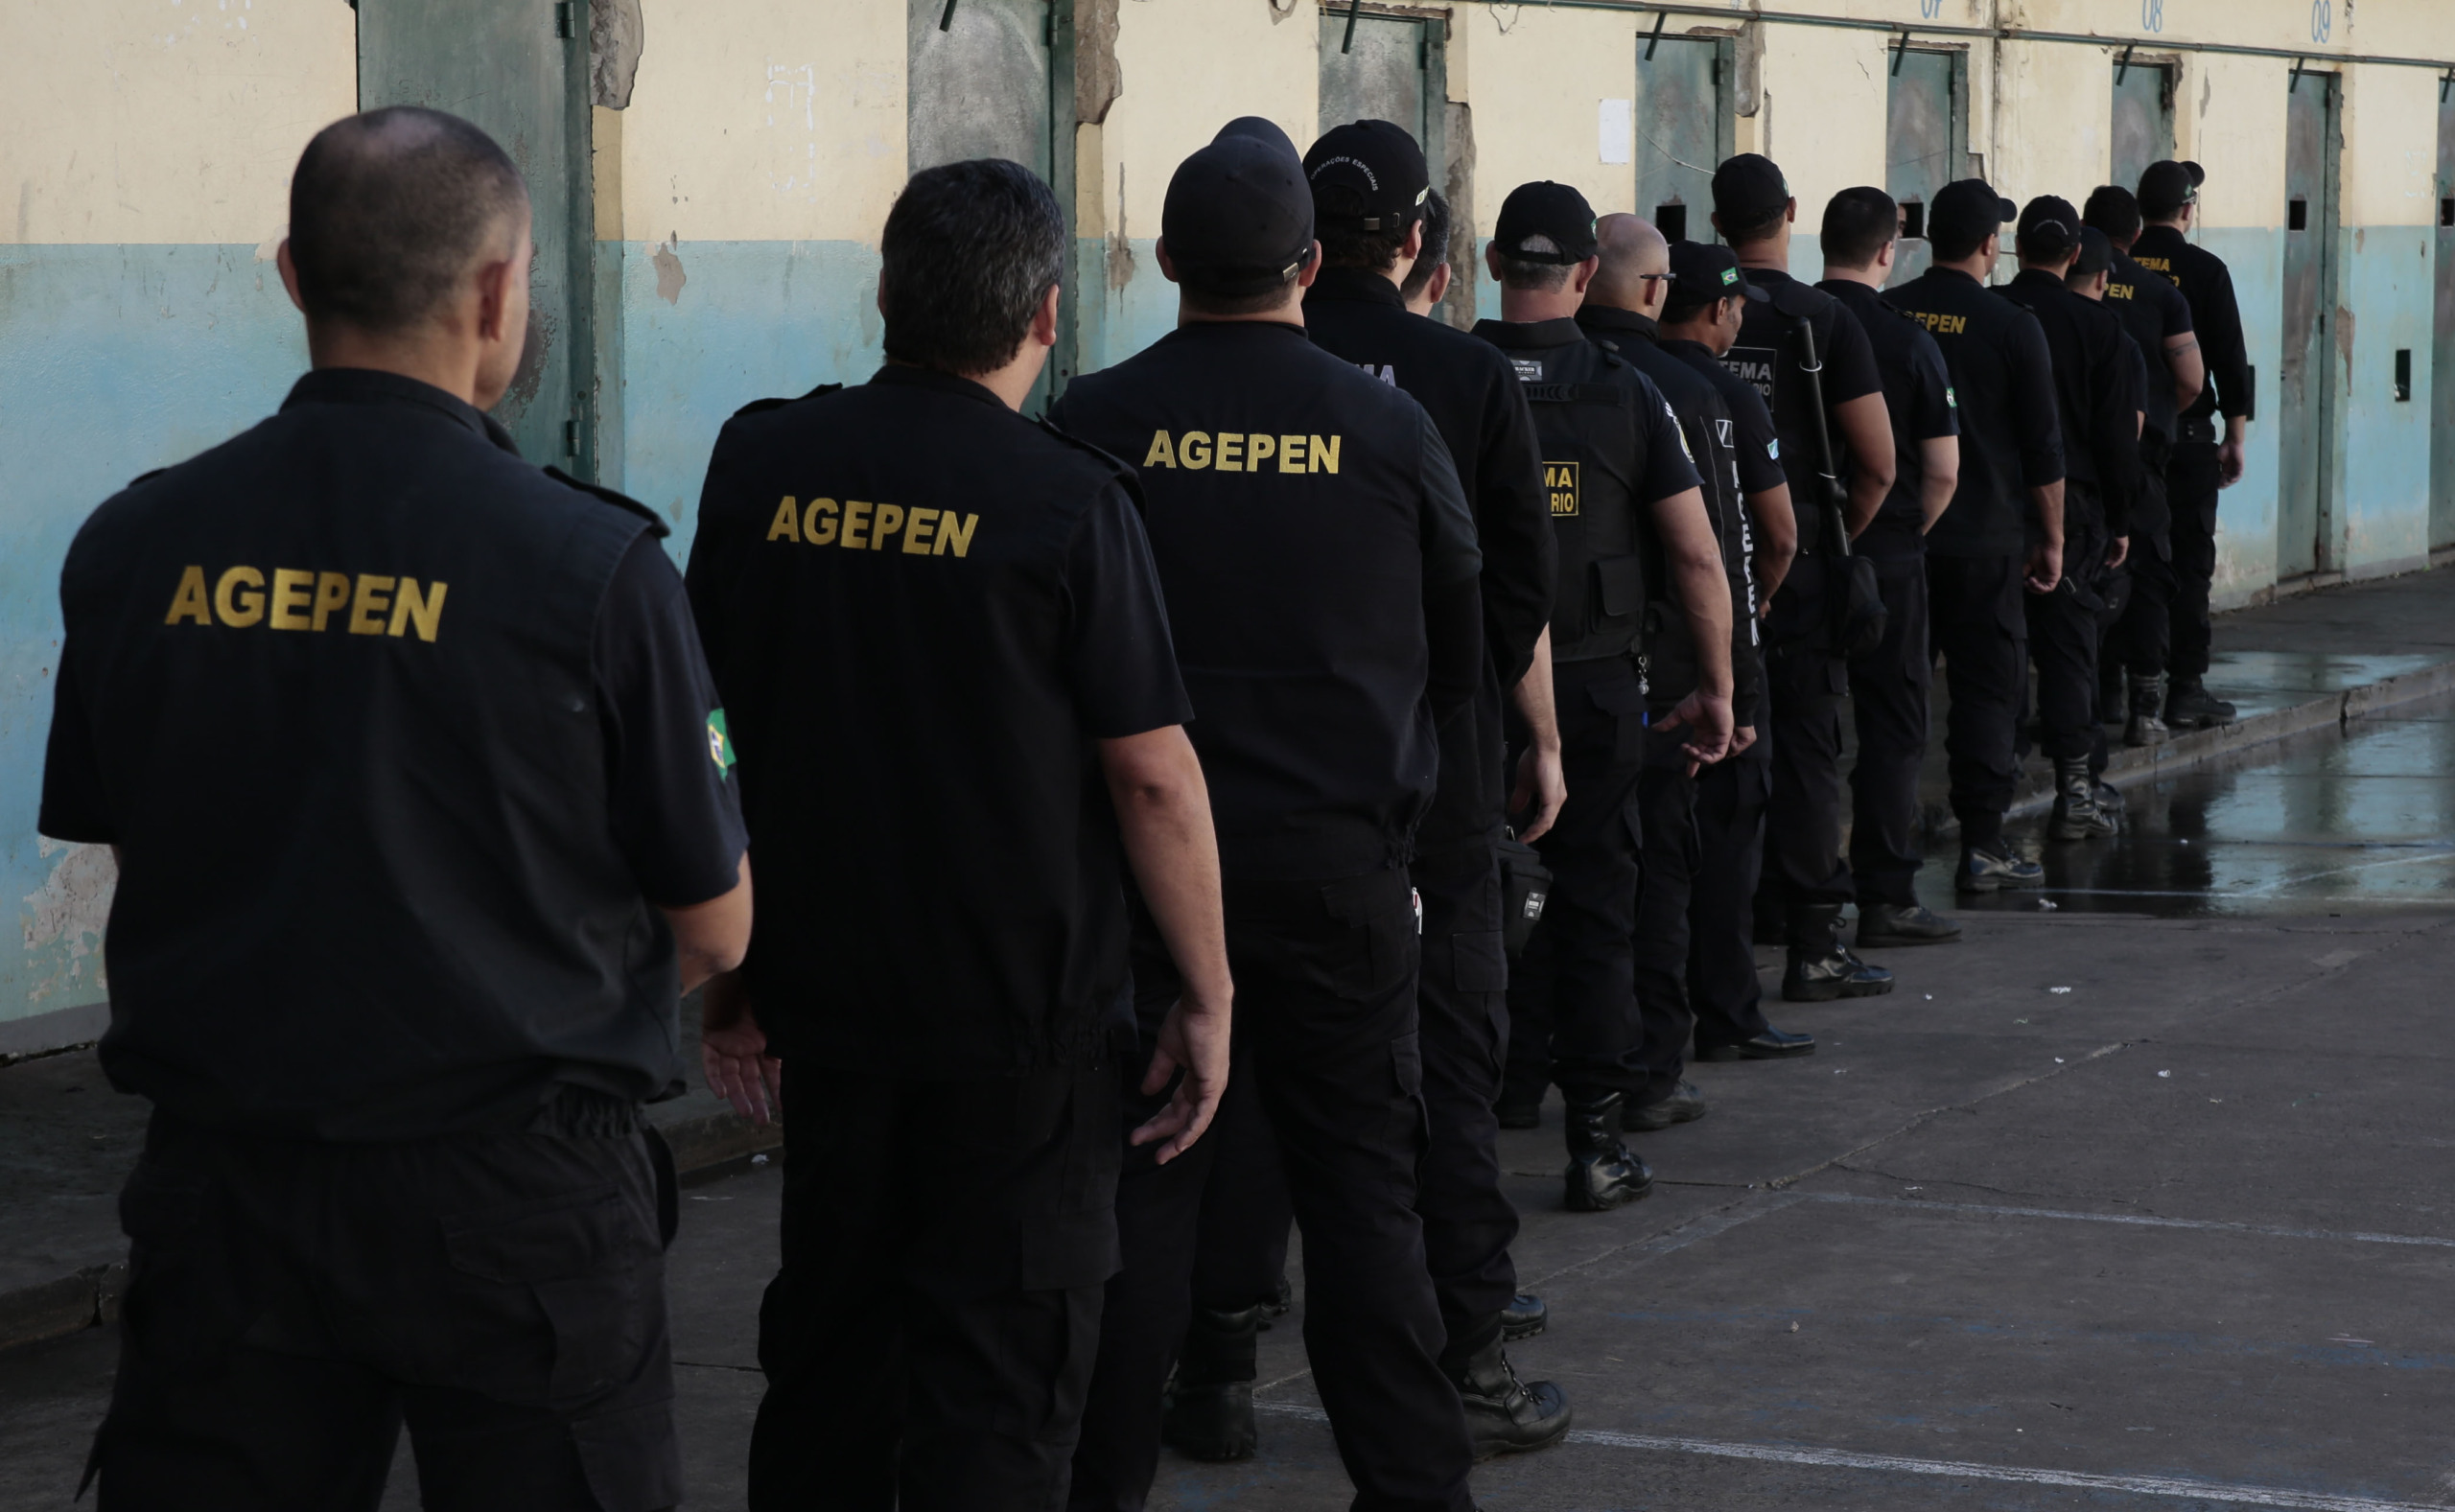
{"x":2002,"y":533}
{"x":2092,"y":397}
{"x":1322,"y":580}
{"x":2091,"y":274}
{"x":2159,"y":319}
{"x":1627,"y":293}
{"x":1806,"y":882}
{"x":2203,"y":460}
{"x":1889,"y":683}
{"x":1699,"y":321}
{"x":1370,"y":186}
{"x":1621,"y":490}
{"x":1429,"y":276}
{"x":421,"y":801}
{"x":951,"y":877}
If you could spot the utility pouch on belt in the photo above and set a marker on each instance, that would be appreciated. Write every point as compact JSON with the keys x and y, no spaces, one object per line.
{"x":1852,"y":600}
{"x":1525,"y":883}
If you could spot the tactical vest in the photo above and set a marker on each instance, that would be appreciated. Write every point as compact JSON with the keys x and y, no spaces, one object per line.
{"x":1586,"y":416}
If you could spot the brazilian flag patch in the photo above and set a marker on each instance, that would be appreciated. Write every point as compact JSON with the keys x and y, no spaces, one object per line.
{"x":719,"y":742}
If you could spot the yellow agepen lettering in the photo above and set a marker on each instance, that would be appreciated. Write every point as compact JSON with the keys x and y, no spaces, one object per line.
{"x":367,"y":611}
{"x":1162,"y":452}
{"x":953,"y":536}
{"x":332,"y":591}
{"x":857,"y":523}
{"x":422,"y":612}
{"x":817,"y":531}
{"x":293,"y":591}
{"x":890,"y":521}
{"x":1194,"y":450}
{"x":917,"y":529}
{"x":187,"y":600}
{"x":787,"y":523}
{"x":238,"y":597}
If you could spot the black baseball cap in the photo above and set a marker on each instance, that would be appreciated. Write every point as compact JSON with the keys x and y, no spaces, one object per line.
{"x":2167,"y":186}
{"x":1968,"y":210}
{"x":2096,"y":252}
{"x":1238,"y":217}
{"x":1546,"y":209}
{"x":2050,"y":228}
{"x":1706,"y":270}
{"x":1367,"y":176}
{"x":1261,"y":129}
{"x":1748,"y":186}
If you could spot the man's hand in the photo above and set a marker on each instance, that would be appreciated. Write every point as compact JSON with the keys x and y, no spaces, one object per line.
{"x":1708,"y":722}
{"x":1541,"y":789}
{"x":1770,"y":568}
{"x":2229,"y":464}
{"x":2045,"y":567}
{"x":1193,"y":1037}
{"x":733,"y":1050}
{"x":2118,"y":554}
{"x":1741,"y":738}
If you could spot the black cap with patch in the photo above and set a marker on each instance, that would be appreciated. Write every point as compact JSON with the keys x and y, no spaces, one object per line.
{"x":1557,"y":212}
{"x":1238,"y":218}
{"x":2049,"y":229}
{"x":1748,"y":186}
{"x":1367,"y":176}
{"x":1706,"y":270}
{"x":2167,"y":186}
{"x":1968,"y":210}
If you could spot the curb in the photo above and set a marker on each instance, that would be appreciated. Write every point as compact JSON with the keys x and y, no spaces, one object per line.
{"x":90,"y":1295}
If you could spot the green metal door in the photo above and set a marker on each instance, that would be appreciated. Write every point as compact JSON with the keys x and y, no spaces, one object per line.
{"x":1393,"y":69}
{"x":519,"y":69}
{"x":2442,"y":367}
{"x":1683,"y":129}
{"x":2143,"y":120}
{"x":1926,"y":144}
{"x":2306,"y":520}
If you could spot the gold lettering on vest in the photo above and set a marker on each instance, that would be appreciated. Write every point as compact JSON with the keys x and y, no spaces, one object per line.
{"x":238,"y":597}
{"x":815,"y":531}
{"x":856,"y":524}
{"x":332,"y":591}
{"x":890,"y":521}
{"x":367,"y":611}
{"x":1292,"y":454}
{"x":422,"y":612}
{"x":787,"y":523}
{"x":1326,"y":454}
{"x":952,"y":536}
{"x":187,"y":600}
{"x":1162,"y":452}
{"x":917,"y":529}
{"x":293,"y":591}
{"x":1194,"y":450}
{"x":1231,"y":452}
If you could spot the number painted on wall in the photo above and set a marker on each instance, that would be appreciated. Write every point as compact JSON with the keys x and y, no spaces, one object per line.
{"x":2152,"y":15}
{"x":2323,"y":19}
{"x":1929,"y":9}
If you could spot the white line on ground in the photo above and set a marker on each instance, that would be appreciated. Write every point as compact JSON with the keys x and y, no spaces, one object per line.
{"x":1899,"y":1464}
{"x":2140,"y":1219}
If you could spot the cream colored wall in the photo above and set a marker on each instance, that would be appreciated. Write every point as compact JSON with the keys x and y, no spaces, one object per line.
{"x":141,"y":121}
{"x":2235,"y":110}
{"x":1189,"y":67}
{"x":764,"y":120}
{"x":2391,"y":147}
{"x":1537,"y":77}
{"x":2053,"y":122}
{"x":1824,"y":103}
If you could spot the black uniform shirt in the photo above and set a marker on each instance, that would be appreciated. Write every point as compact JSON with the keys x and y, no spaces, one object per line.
{"x":2206,"y":283}
{"x":1758,"y":450}
{"x":1476,"y":403}
{"x":1705,"y":421}
{"x":2010,"y":437}
{"x":1918,"y":396}
{"x":2152,"y":309}
{"x":923,"y":610}
{"x":1769,"y":355}
{"x":2092,"y":389}
{"x":1310,"y":530}
{"x":398,"y":737}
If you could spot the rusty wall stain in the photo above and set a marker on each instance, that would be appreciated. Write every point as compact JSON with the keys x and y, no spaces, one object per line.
{"x":1120,"y":258}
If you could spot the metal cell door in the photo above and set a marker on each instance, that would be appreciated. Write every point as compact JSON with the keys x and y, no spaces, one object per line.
{"x":2442,"y":367}
{"x":2305,"y":520}
{"x":518,"y":69}
{"x":1683,"y":131}
{"x":2143,"y":120}
{"x":1926,"y":142}
{"x":1393,"y":69}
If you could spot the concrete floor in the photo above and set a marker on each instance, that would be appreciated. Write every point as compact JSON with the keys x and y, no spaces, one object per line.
{"x":2138,"y":1202}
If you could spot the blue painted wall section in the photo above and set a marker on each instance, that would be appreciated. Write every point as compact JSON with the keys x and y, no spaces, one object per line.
{"x":2246,"y":512}
{"x":2386,"y":286}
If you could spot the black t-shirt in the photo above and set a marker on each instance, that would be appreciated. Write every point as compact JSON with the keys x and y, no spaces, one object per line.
{"x":923,"y":611}
{"x":435,"y":725}
{"x":1310,"y":530}
{"x":2152,"y":309}
{"x":2092,"y":389}
{"x":2011,"y":439}
{"x":1769,"y":355}
{"x":2209,"y":286}
{"x":1481,"y":413}
{"x":1918,"y":395}
{"x":1754,"y":443}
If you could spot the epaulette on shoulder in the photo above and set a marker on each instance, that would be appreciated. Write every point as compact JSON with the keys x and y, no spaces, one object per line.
{"x":763,"y":405}
{"x":656,"y":527}
{"x":1124,"y":471}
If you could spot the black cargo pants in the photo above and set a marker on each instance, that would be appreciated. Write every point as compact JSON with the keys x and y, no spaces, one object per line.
{"x":1327,"y":1024}
{"x":1723,"y":990}
{"x":1980,"y":629}
{"x":1665,"y":894}
{"x":1804,"y":685}
{"x":2190,"y":493}
{"x":1889,"y":704}
{"x":290,"y":1304}
{"x":928,"y":1341}
{"x":2063,"y":628}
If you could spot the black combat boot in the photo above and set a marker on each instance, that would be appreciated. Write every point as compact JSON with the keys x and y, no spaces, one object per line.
{"x":1604,"y":1174}
{"x":1523,"y":1317}
{"x":2190,"y":706}
{"x":2077,"y":814}
{"x":1885,"y":926}
{"x":2145,"y":724}
{"x":1209,"y":1415}
{"x":1504,"y":1414}
{"x":1820,"y":967}
{"x":1989,"y":868}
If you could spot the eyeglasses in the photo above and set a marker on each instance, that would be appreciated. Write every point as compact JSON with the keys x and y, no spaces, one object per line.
{"x":1648,"y":278}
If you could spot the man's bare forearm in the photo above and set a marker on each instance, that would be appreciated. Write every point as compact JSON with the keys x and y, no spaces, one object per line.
{"x":1163,"y":817}
{"x":1533,"y":697}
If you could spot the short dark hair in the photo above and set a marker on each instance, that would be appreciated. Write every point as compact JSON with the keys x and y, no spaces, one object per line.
{"x":1741,"y":230}
{"x":1959,"y":242}
{"x":391,"y":209}
{"x":969,"y":251}
{"x":2113,"y":210}
{"x":1346,"y":247}
{"x":1538,"y":274}
{"x":1436,"y":247}
{"x":1679,"y":306}
{"x":1202,"y":301}
{"x":1858,"y":224}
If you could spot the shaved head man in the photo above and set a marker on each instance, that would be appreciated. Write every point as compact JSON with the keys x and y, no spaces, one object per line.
{"x":1631,"y":250}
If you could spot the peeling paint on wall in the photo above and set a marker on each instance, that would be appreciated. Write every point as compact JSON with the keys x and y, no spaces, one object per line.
{"x":669,"y":276}
{"x":616,"y":34}
{"x":70,"y":911}
{"x":1121,"y":263}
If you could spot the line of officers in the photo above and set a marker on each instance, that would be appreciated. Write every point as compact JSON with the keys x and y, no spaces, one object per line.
{"x":1447,"y":710}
